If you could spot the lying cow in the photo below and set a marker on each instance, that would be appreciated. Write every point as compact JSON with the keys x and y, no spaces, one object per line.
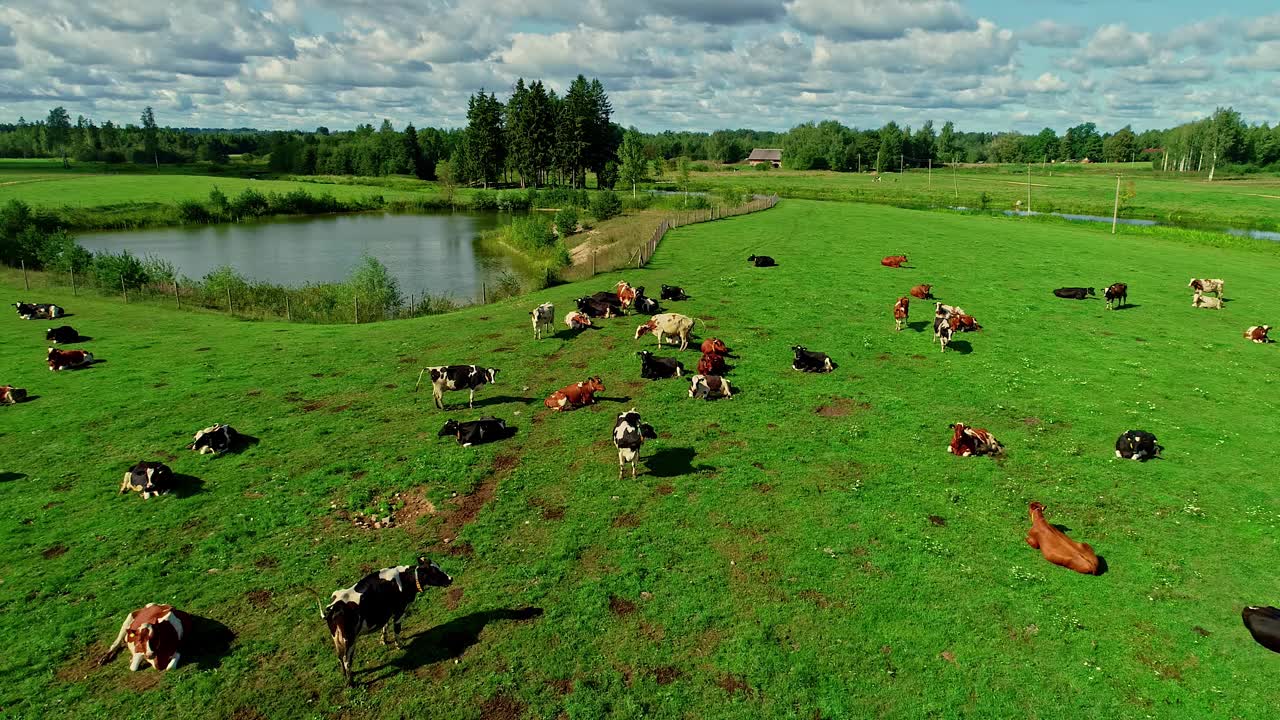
{"x":1258,"y":333}
{"x":963,"y":323}
{"x":216,"y":439}
{"x":628,"y":436}
{"x":1056,"y":547}
{"x":457,"y":377}
{"x":10,"y":395}
{"x":809,"y":361}
{"x":1116,"y":296}
{"x":154,"y":634}
{"x":901,"y":311}
{"x":653,"y":367}
{"x":671,"y":325}
{"x":68,"y":359}
{"x":1202,"y":285}
{"x":543,"y":317}
{"x":1137,"y":445}
{"x":596,"y":308}
{"x":626,"y":294}
{"x":894,"y":261}
{"x":576,"y":395}
{"x":377,"y":602}
{"x":148,"y":478}
{"x":672,"y":292}
{"x":969,"y":441}
{"x":762,"y":261}
{"x":644,"y":304}
{"x":476,"y":432}
{"x":705,"y":387}
{"x":712,"y":364}
{"x":923,"y":292}
{"x":62,"y":335}
{"x":1263,"y":623}
{"x":610,"y":298}
{"x":714,"y":345}
{"x":1074,"y":293}
{"x":577,"y":321}
{"x":38,"y":311}
{"x":1200,"y":300}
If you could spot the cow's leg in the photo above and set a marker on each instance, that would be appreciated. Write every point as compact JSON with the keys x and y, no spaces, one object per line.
{"x":395,"y":634}
{"x":119,"y":643}
{"x":438,"y":394}
{"x":1033,"y":541}
{"x":385,"y":630}
{"x":136,"y":662}
{"x":350,"y":661}
{"x":174,"y":662}
{"x":471,"y":401}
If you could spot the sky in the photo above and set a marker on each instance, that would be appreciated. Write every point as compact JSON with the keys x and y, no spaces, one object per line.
{"x":667,"y":64}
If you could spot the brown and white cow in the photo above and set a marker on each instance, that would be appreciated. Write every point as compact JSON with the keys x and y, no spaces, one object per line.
{"x":576,"y":395}
{"x":901,"y":311}
{"x":10,"y":395}
{"x":577,"y":320}
{"x":967,"y":441}
{"x":1258,"y":333}
{"x":626,"y":294}
{"x":1204,"y":285}
{"x":1200,"y":300}
{"x":923,"y":292}
{"x":712,"y":364}
{"x":65,"y":359}
{"x":154,"y":634}
{"x":671,"y":325}
{"x":963,"y":323}
{"x":705,"y":387}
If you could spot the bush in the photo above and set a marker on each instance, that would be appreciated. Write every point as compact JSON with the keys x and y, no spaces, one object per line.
{"x":605,"y":204}
{"x":730,"y":196}
{"x":762,"y":167}
{"x":639,"y":202}
{"x":249,"y":203}
{"x":566,"y":221}
{"x":61,"y":252}
{"x":484,"y":200}
{"x":110,"y":270}
{"x":224,"y":278}
{"x":159,"y":270}
{"x":191,"y":211}
{"x":374,"y":285}
{"x":531,"y":233}
{"x":560,"y":198}
{"x":512,"y":200}
{"x":696,"y":202}
{"x":700,"y":167}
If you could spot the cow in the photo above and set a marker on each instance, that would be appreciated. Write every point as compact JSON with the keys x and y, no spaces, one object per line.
{"x":1117,"y":295}
{"x":611,"y":298}
{"x":68,"y":359}
{"x":154,"y":634}
{"x":672,"y":292}
{"x":377,"y":602}
{"x":963,"y":323}
{"x":626,"y":294}
{"x":628,"y":436}
{"x":576,"y":395}
{"x":943,"y":332}
{"x":62,"y":335}
{"x":1258,"y":333}
{"x":901,"y":311}
{"x":644,"y":304}
{"x":457,"y":377}
{"x":705,"y":387}
{"x":476,"y":432}
{"x":1263,"y":623}
{"x":969,"y":441}
{"x":714,"y":345}
{"x":809,"y":361}
{"x":762,"y":261}
{"x":1202,"y":285}
{"x":922,"y":292}
{"x":10,"y":395}
{"x":672,"y":325}
{"x":595,"y":308}
{"x":38,"y":311}
{"x":1074,"y":293}
{"x":1056,"y":547}
{"x":712,"y":364}
{"x":1200,"y":300}
{"x":148,"y":478}
{"x":1137,"y":445}
{"x":216,"y":439}
{"x":577,"y":321}
{"x":657,"y":368}
{"x":894,"y":261}
{"x":544,"y":316}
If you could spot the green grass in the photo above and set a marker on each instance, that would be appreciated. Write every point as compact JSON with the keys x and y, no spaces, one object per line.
{"x":770,"y":562}
{"x":90,"y":191}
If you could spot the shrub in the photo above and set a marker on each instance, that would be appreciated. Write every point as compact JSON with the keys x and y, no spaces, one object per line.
{"x":374,"y":285}
{"x":559,"y":198}
{"x":639,"y":202}
{"x":512,"y":200}
{"x":159,"y":270}
{"x":696,"y":202}
{"x":249,"y":203}
{"x":218,"y":201}
{"x":762,"y":167}
{"x":61,"y":252}
{"x":605,"y":204}
{"x":730,"y":196}
{"x":224,"y":278}
{"x":566,"y":221}
{"x":700,"y":167}
{"x":531,"y":233}
{"x":192,"y":211}
{"x":484,"y":200}
{"x":111,"y":269}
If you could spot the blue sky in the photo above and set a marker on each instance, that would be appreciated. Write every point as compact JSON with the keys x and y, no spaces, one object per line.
{"x":668,"y":64}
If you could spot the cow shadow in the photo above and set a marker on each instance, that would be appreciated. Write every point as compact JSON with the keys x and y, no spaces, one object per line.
{"x":186,"y":485}
{"x":502,"y":400}
{"x":568,"y":334}
{"x":623,"y":399}
{"x":78,"y":340}
{"x":450,"y":640}
{"x":11,"y":476}
{"x":919,"y":326}
{"x":210,"y":642}
{"x":30,"y":398}
{"x":674,"y":462}
{"x":1126,"y":306}
{"x":961,"y":346}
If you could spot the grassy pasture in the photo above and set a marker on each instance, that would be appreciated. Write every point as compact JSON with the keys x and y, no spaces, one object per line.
{"x":806,"y":549}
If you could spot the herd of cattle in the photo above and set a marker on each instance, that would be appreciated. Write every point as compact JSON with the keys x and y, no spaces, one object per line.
{"x":155,"y":633}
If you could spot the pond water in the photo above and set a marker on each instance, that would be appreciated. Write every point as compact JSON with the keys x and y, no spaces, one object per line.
{"x":1241,"y":232}
{"x":435,"y":253}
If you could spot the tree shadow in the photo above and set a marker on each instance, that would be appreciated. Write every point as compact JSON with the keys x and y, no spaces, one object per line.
{"x":673,"y":462}
{"x":450,"y":640}
{"x":186,"y":485}
{"x":502,"y":400}
{"x":210,"y":642}
{"x":961,"y":346}
{"x":7,"y":476}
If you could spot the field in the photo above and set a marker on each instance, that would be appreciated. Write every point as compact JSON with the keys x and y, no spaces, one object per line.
{"x":807,"y":549}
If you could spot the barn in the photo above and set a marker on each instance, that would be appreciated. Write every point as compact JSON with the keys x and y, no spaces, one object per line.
{"x":773,"y":156}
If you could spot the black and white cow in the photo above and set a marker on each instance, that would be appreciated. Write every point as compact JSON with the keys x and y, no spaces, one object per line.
{"x":216,"y":439}
{"x":38,"y":311}
{"x":705,"y":387}
{"x":10,"y":395}
{"x":1137,"y":445}
{"x":457,"y":377}
{"x":148,"y":478}
{"x":543,"y":318}
{"x":1074,"y":293}
{"x":653,"y":367}
{"x":596,"y":308}
{"x":814,"y":362}
{"x":671,"y":292}
{"x":762,"y":261}
{"x":629,"y":435}
{"x":62,"y":335}
{"x":476,"y":432}
{"x":644,"y":304}
{"x":377,"y":602}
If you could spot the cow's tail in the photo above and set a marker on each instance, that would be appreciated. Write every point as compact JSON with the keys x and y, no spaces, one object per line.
{"x":319,"y":603}
{"x":419,"y":384}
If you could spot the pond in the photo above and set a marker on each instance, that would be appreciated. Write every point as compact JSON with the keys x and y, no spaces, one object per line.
{"x":435,"y":253}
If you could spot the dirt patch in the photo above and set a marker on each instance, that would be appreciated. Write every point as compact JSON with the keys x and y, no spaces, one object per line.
{"x":469,"y":506}
{"x":501,"y":350}
{"x":453,"y":598}
{"x":142,"y":681}
{"x":1029,"y":421}
{"x":266,"y":562}
{"x":1138,"y":339}
{"x":549,"y":511}
{"x":1201,"y":631}
{"x":621,"y":606}
{"x":763,"y":488}
{"x":884,"y":356}
{"x":391,"y":386}
{"x":260,"y":599}
{"x":665,"y":489}
{"x":841,"y":407}
{"x":733,"y":684}
{"x":578,"y":365}
{"x":938,"y":521}
{"x":405,"y":360}
{"x":313,"y":406}
{"x":157,"y":386}
{"x":563,"y":687}
{"x":317,"y":375}
{"x":505,"y":462}
{"x":666,"y":675}
{"x":502,"y":707}
{"x":948,"y":656}
{"x":626,"y":520}
{"x":917,"y":357}
{"x":52,"y":552}
{"x":416,"y":505}
{"x":253,"y":393}
{"x":247,"y":713}
{"x":815,"y":597}
{"x":340,"y":408}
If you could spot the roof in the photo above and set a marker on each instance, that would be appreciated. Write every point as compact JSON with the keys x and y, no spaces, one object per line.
{"x":765,"y":154}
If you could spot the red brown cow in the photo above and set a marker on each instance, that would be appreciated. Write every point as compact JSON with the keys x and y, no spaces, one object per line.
{"x":10,"y":395}
{"x":154,"y":634}
{"x":894,"y":261}
{"x":626,"y":294}
{"x":576,"y":395}
{"x":923,"y":292}
{"x":64,"y":359}
{"x":1056,"y":547}
{"x":711,"y":364}
{"x":901,"y":310}
{"x":963,"y":323}
{"x":1258,"y":333}
{"x":714,"y":345}
{"x":966,"y":441}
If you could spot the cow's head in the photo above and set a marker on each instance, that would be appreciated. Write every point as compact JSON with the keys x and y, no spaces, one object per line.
{"x":645,"y":329}
{"x":716,"y":345}
{"x":450,"y":428}
{"x":698,"y":386}
{"x":639,"y":291}
{"x":594,"y":384}
{"x":428,"y":574}
{"x":644,"y":356}
{"x":1036,"y":507}
{"x":799,"y":350}
{"x":1195,"y":284}
{"x":490,"y":374}
{"x":1090,"y":291}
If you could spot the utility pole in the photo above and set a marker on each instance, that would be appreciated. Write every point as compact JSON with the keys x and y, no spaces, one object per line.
{"x":1115,"y":213}
{"x":930,"y":173}
{"x":1028,"y":187}
{"x":954,"y":181}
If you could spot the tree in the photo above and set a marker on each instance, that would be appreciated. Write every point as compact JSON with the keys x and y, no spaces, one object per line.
{"x":150,"y":136}
{"x":632,"y":170}
{"x":485,"y":147}
{"x":448,"y":181}
{"x":890,"y":147}
{"x":1226,"y":132}
{"x":946,"y":146}
{"x":682,"y":171}
{"x":413,"y":152}
{"x":1120,"y":146}
{"x":57,"y":130}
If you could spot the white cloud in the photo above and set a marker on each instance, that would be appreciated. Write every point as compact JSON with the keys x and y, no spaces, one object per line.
{"x":1052,"y":34}
{"x":876,"y":19}
{"x":1117,"y":46}
{"x":1049,"y":83}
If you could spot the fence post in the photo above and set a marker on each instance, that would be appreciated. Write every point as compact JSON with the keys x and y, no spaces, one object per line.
{"x":357,"y":299}
{"x":288,"y":315}
{"x":177,"y":300}
{"x":593,"y":262}
{"x":25,"y":284}
{"x":228,"y":299}
{"x":124,"y":289}
{"x":73,"y":281}
{"x":484,"y":294}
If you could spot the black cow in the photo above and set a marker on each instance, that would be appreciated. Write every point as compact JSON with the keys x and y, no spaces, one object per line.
{"x":609,"y":298}
{"x":148,"y":478}
{"x":62,"y":335}
{"x":814,"y":362}
{"x":596,"y":308}
{"x":656,"y":368}
{"x":457,"y":377}
{"x":1074,"y":293}
{"x":671,"y":292}
{"x":1263,"y":624}
{"x":377,"y":602}
{"x":644,"y":304}
{"x":1137,"y":445}
{"x":761,"y":261}
{"x":38,"y":311}
{"x":629,"y":435}
{"x":216,"y":439}
{"x":476,"y":432}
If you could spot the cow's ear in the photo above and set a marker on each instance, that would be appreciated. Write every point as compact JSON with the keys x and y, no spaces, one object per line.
{"x":423,"y":560}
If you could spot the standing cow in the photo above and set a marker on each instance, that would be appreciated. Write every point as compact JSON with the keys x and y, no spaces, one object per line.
{"x":154,"y":634}
{"x":543,"y":317}
{"x":628,"y":436}
{"x":1203,"y":285}
{"x":901,"y":311}
{"x":1117,"y":295}
{"x":457,"y":377}
{"x":671,"y":325}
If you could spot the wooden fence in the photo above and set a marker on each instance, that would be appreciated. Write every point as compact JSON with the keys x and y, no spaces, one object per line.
{"x":689,"y":217}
